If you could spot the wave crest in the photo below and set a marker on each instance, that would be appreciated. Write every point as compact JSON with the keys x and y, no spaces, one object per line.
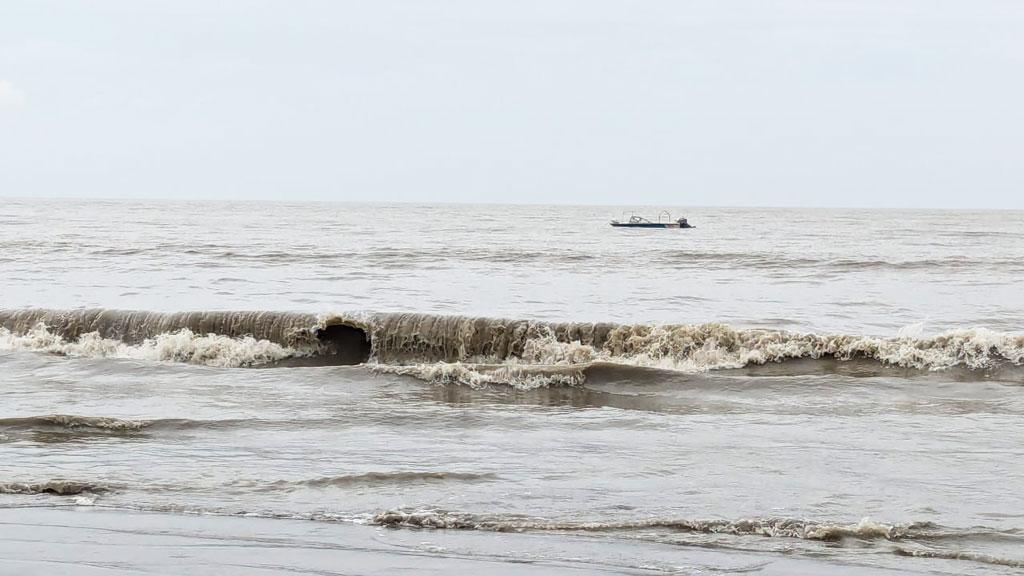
{"x":443,"y":348}
{"x":180,"y":346}
{"x":73,"y":422}
{"x":866,"y":529}
{"x":55,"y":487}
{"x":960,"y":555}
{"x":367,"y":479}
{"x":419,"y":338}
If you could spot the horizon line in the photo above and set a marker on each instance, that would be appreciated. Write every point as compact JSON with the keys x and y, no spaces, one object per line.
{"x":186,"y":200}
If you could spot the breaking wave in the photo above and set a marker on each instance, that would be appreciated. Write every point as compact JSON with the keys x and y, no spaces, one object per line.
{"x":369,"y":479}
{"x":72,"y":422}
{"x":916,"y":539}
{"x":767,"y":527}
{"x":55,"y":487}
{"x":180,"y":346}
{"x":476,"y":351}
{"x":960,"y":555}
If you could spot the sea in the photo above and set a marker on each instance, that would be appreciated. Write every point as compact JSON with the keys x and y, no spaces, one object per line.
{"x":337,"y":388}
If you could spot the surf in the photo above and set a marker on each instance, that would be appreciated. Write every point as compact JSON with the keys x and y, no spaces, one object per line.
{"x":477,"y":349}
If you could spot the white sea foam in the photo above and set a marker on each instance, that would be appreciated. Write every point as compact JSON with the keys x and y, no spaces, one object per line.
{"x":180,"y":346}
{"x":482,"y":375}
{"x":866,"y":529}
{"x":716,"y":346}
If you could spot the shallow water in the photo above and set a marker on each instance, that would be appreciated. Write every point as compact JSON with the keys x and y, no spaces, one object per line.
{"x":776,"y":391}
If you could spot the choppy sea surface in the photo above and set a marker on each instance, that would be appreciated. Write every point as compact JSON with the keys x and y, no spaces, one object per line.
{"x":250,"y":388}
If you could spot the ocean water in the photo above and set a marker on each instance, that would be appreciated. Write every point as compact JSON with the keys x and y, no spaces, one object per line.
{"x":247,"y":388}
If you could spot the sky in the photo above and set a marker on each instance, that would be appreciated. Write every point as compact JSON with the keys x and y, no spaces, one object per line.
{"x":866,"y":103}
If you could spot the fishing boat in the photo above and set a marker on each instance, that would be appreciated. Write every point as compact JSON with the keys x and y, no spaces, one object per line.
{"x":664,"y":221}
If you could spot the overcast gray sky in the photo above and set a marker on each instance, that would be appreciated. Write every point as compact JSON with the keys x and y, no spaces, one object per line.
{"x":793,"y":102}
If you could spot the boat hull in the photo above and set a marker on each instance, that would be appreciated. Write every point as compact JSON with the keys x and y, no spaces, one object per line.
{"x":649,"y":225}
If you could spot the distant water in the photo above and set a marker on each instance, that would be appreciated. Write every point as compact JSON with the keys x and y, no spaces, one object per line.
{"x":783,"y":391}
